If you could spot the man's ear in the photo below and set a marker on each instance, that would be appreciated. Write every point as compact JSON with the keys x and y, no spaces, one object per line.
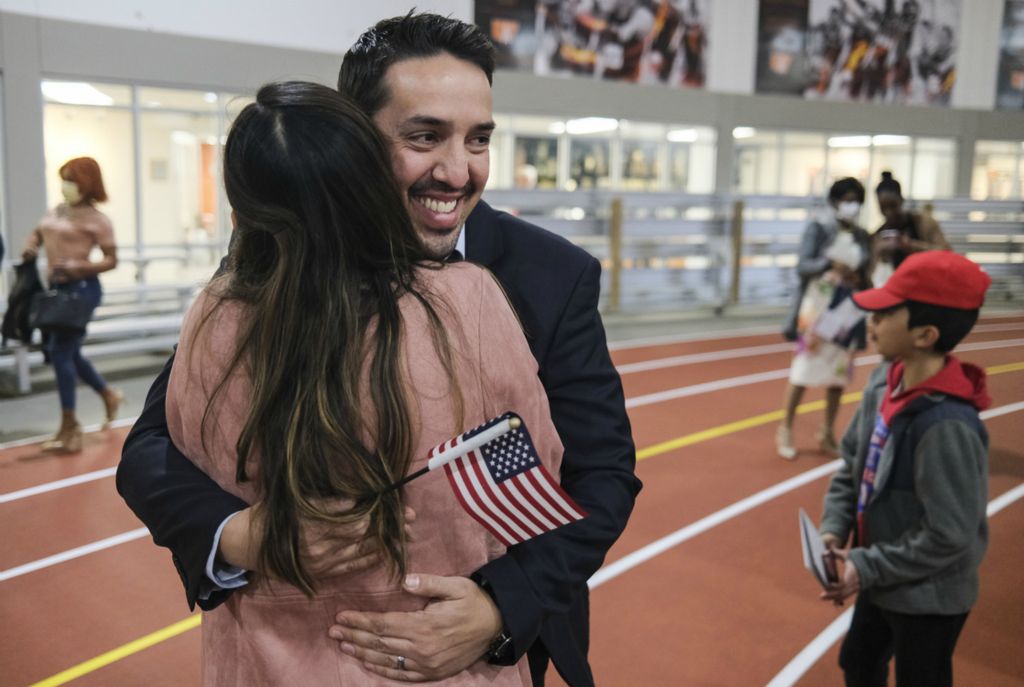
{"x":234,"y":221}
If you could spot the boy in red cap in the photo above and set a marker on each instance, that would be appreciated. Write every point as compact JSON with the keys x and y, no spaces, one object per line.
{"x":913,"y":487}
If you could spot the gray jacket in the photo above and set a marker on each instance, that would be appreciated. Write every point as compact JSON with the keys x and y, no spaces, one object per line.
{"x":926,"y":522}
{"x":811,"y":261}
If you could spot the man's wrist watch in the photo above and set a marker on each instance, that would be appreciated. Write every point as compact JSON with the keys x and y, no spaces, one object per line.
{"x":501,"y":651}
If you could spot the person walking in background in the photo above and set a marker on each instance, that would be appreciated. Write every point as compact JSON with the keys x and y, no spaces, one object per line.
{"x":902,"y":233}
{"x":845,"y":199}
{"x":68,"y":233}
{"x":830,"y":329}
{"x":913,"y":484}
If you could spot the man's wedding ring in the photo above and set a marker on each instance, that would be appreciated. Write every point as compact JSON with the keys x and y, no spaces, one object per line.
{"x":400,"y":660}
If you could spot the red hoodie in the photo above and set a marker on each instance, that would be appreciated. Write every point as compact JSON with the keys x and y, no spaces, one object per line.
{"x":958,"y":379}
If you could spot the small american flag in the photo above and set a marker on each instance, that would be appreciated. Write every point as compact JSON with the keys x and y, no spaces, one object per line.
{"x":503,"y":485}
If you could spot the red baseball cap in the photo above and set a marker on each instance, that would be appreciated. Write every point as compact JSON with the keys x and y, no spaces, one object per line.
{"x":938,"y":277}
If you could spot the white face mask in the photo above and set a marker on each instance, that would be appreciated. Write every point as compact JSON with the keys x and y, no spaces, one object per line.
{"x":69,"y":190}
{"x":848,"y":210}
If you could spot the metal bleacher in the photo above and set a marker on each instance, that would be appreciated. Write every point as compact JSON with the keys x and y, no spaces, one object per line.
{"x":133,"y":319}
{"x":679,"y":251}
{"x":670,"y":252}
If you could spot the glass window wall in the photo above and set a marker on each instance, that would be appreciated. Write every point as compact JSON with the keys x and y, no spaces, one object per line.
{"x":998,"y":170}
{"x":934,"y":170}
{"x":589,"y":164}
{"x":848,"y":156}
{"x":803,"y":164}
{"x":799,"y":163}
{"x":9,"y":252}
{"x":757,"y":168}
{"x":179,"y":180}
{"x":159,"y":149}
{"x":595,"y":152}
{"x":536,"y":162}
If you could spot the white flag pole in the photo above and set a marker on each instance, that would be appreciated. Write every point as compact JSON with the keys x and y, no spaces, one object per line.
{"x":449,"y":454}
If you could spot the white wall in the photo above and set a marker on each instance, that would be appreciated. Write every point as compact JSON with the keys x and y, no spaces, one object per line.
{"x":324,"y":25}
{"x":332,"y":26}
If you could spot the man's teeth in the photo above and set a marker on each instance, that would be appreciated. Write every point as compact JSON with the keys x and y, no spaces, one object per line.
{"x":437,"y":206}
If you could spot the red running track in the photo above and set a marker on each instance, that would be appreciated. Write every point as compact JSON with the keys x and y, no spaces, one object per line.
{"x":726,"y":602}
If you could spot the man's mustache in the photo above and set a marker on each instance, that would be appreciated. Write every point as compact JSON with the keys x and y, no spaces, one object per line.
{"x":432,"y":185}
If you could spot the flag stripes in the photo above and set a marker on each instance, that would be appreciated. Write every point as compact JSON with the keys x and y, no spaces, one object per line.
{"x":505,"y":488}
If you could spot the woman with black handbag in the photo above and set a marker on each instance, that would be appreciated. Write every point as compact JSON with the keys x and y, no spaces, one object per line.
{"x":69,"y":232}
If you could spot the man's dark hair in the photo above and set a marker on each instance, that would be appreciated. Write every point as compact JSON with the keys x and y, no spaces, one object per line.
{"x":953,"y":323}
{"x":401,"y":38}
{"x":844,"y":186}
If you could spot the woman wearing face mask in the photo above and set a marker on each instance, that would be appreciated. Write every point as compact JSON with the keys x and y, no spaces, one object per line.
{"x":902,"y":233}
{"x":69,"y":232}
{"x":845,"y":199}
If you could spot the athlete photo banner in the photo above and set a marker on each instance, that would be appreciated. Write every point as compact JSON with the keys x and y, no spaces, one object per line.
{"x":880,"y":51}
{"x":638,"y":41}
{"x":1010,"y":90}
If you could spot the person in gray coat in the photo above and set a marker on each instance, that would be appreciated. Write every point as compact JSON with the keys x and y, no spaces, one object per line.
{"x":845,"y":199}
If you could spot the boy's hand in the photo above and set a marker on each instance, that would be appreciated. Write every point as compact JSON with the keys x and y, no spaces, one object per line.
{"x":847,"y":586}
{"x":831,"y":541}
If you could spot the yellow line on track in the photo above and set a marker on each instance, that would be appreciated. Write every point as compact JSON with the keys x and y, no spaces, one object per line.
{"x":120,"y":652}
{"x":193,"y":621}
{"x":774,"y":416}
{"x":733,"y":427}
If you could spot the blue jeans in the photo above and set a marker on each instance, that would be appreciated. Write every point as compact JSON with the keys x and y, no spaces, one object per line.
{"x":65,"y":350}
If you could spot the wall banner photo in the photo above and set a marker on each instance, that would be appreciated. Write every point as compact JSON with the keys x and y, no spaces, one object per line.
{"x":881,"y":51}
{"x":637,"y":41}
{"x":1010,"y":94}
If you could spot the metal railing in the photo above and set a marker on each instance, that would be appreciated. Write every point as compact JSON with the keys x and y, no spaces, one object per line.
{"x":660,"y":251}
{"x":678,"y":251}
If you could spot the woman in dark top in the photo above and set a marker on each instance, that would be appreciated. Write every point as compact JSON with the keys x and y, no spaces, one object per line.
{"x":902,"y":233}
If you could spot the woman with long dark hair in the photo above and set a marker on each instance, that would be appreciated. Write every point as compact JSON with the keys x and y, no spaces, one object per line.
{"x":322,"y":366}
{"x":68,"y":233}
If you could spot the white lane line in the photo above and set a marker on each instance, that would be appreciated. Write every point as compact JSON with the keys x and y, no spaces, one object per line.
{"x":813,"y":652}
{"x":58,"y":484}
{"x":71,"y":554}
{"x":693,"y":358}
{"x":1002,"y":501}
{"x":988,"y":328}
{"x":603,"y":575}
{"x":744,"y":380}
{"x":613,"y":570}
{"x":630,"y":561}
{"x":116,"y":424}
{"x":647,"y":342}
{"x":1002,"y":410}
{"x":635,"y":402}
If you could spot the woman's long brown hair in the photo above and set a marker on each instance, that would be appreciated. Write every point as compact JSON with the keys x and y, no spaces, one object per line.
{"x":322,"y":253}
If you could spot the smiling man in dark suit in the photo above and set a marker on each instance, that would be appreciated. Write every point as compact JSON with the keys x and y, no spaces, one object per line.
{"x":425,"y":80}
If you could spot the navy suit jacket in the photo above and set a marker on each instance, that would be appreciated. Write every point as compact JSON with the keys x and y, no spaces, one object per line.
{"x":540,"y":586}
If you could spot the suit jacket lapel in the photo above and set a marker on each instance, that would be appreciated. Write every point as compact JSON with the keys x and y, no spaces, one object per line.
{"x":484,"y":244}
